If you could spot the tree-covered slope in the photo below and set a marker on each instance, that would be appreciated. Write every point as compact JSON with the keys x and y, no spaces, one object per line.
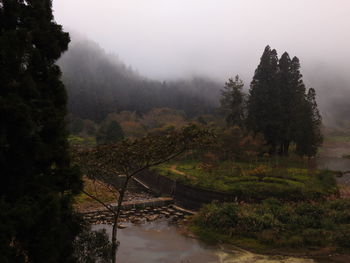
{"x":99,"y":83}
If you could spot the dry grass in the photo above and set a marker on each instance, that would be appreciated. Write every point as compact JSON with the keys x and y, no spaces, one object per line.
{"x":344,"y":191}
{"x":97,"y":189}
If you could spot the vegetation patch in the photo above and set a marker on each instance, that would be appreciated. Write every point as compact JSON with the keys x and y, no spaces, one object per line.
{"x":285,"y":179}
{"x":274,"y":224}
{"x":75,"y":140}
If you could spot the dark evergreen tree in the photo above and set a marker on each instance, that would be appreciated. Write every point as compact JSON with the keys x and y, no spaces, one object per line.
{"x":110,"y":133}
{"x":279,"y":108}
{"x":232,"y":102}
{"x":37,"y":223}
{"x":309,"y":137}
{"x":264,"y":100}
{"x":286,"y":102}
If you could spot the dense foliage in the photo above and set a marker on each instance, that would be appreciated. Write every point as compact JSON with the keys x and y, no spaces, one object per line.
{"x":276,"y":224}
{"x":110,"y":133}
{"x":36,"y":219}
{"x":92,"y":246}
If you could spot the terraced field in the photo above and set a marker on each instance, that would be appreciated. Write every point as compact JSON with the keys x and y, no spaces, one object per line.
{"x":283,"y":179}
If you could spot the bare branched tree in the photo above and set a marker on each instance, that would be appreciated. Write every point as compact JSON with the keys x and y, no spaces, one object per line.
{"x":128,"y":158}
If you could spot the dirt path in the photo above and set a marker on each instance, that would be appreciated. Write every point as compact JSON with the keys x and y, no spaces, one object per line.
{"x":173,"y":169}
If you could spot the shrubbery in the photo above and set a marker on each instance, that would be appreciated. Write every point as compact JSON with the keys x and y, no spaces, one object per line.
{"x":277,"y":224}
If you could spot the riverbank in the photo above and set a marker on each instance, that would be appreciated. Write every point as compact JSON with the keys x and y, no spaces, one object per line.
{"x":322,"y":255}
{"x":303,"y":229}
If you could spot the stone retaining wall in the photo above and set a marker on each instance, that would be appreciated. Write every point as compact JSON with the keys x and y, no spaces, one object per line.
{"x":139,"y":215}
{"x":186,"y":196}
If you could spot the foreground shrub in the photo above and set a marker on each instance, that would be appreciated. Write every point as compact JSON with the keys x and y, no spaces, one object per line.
{"x":278,"y":224}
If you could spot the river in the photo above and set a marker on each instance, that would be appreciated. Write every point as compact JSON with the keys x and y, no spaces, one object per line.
{"x":160,"y":242}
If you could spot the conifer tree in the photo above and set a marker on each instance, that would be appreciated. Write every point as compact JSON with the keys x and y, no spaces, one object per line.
{"x":264,"y":102}
{"x":309,"y":136}
{"x":37,"y":223}
{"x":279,"y":108}
{"x":232,"y":102}
{"x":292,"y":94}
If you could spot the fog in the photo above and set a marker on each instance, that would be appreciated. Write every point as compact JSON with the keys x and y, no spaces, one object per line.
{"x":168,"y":39}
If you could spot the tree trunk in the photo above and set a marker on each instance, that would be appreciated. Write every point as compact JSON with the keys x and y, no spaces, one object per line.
{"x":281,"y":149}
{"x":116,"y":218}
{"x":286,"y":148}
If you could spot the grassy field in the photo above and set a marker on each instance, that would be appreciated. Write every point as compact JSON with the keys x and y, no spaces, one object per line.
{"x":283,"y":178}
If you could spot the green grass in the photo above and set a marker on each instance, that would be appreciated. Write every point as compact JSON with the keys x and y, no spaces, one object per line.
{"x":337,"y":138}
{"x":76,"y":140}
{"x":286,"y":179}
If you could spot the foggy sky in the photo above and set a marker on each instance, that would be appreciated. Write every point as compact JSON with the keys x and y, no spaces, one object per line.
{"x":219,"y":38}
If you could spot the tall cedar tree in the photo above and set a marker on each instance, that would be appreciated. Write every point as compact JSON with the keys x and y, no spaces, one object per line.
{"x":309,"y":136}
{"x":279,"y":108}
{"x":37,"y":223}
{"x":286,"y":102}
{"x":232,"y":102}
{"x":292,"y":95}
{"x":264,"y":99}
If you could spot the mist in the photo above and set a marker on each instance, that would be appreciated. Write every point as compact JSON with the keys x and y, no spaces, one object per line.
{"x":163,"y":39}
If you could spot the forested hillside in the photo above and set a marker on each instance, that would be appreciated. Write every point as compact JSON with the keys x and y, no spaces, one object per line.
{"x":99,"y":83}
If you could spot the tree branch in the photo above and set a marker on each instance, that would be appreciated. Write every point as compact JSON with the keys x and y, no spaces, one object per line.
{"x":98,"y":200}
{"x":156,"y":163}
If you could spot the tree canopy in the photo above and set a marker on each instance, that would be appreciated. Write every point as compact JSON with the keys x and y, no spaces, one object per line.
{"x":37,"y":223}
{"x":232,"y":102}
{"x":109,"y":133}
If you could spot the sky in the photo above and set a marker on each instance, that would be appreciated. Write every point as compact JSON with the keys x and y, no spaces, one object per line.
{"x":165,"y":39}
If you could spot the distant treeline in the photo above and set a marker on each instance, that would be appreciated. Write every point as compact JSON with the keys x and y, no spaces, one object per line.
{"x":99,"y":84}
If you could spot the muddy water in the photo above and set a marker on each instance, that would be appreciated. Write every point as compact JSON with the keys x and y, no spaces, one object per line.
{"x":159,"y":242}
